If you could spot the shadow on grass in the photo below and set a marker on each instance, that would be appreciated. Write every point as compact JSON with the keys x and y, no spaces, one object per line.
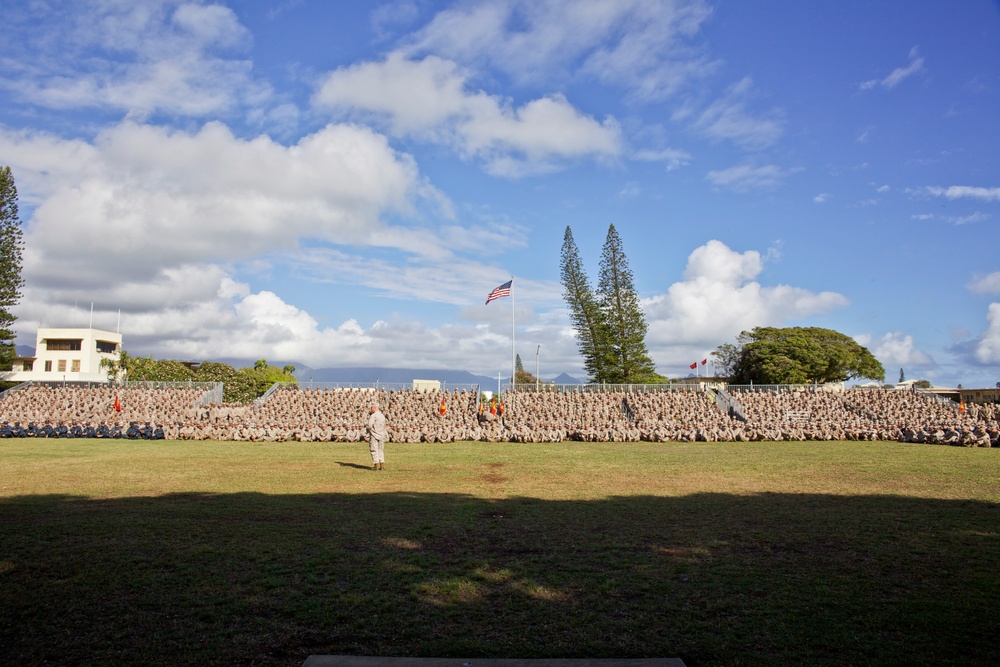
{"x":357,"y":466}
{"x":712,"y":578}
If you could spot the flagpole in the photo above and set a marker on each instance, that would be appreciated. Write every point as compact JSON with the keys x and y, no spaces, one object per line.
{"x":513,"y":363}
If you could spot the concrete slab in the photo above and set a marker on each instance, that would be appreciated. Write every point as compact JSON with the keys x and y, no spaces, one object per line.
{"x":369,"y":661}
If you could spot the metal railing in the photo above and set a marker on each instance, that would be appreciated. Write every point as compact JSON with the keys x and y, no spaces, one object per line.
{"x":376,"y":386}
{"x":603,"y":388}
{"x":729,"y":405}
{"x":777,"y":388}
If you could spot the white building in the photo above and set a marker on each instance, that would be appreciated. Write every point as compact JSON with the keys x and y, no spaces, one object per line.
{"x":71,"y":355}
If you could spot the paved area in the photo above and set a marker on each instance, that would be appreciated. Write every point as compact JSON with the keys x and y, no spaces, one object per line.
{"x":357,"y":661}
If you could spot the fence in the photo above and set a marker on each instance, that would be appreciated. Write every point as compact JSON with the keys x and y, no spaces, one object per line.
{"x":375,"y":386}
{"x":603,"y":388}
{"x":777,"y":388}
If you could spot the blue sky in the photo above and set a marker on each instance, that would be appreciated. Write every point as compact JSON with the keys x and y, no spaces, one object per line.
{"x":343,"y":183}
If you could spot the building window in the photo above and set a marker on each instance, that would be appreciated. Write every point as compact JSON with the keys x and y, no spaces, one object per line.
{"x":48,"y":366}
{"x":75,"y":366}
{"x":28,"y":366}
{"x":106,"y":347}
{"x":64,"y":344}
{"x":61,"y":365}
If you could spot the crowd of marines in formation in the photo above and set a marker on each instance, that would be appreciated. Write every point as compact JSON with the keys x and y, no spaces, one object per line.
{"x":679,"y":414}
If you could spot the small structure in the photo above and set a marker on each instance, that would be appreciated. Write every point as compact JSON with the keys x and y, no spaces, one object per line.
{"x":426,"y":385}
{"x":67,"y":355}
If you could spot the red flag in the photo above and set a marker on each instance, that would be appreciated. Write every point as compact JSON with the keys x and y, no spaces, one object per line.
{"x":443,"y":409}
{"x":704,"y":361}
{"x":493,"y":405}
{"x":118,"y":404}
{"x":500,"y":409}
{"x":693,"y":366}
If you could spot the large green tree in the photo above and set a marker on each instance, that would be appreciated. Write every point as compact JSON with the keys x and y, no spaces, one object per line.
{"x":626,"y":322}
{"x":796,"y":355}
{"x":11,"y":244}
{"x":585,"y":311}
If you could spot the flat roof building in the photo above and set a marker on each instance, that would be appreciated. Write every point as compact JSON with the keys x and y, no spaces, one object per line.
{"x":67,"y":354}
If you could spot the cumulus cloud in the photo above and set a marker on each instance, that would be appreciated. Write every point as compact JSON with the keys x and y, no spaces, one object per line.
{"x":988,"y":284}
{"x":430,"y":100}
{"x":645,"y":46}
{"x":719,"y":297}
{"x":895,"y":349}
{"x":987,"y":349}
{"x":152,"y":198}
{"x":898,"y":75}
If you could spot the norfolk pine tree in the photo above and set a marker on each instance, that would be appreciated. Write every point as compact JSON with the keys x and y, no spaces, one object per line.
{"x":11,"y":244}
{"x":584,"y":311}
{"x":626,"y":322}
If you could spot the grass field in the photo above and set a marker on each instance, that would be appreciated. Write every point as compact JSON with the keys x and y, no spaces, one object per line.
{"x":215,"y":553}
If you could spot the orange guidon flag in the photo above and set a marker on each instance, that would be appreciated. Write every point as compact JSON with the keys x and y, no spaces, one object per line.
{"x":443,"y":409}
{"x":493,"y":406}
{"x":118,"y":404}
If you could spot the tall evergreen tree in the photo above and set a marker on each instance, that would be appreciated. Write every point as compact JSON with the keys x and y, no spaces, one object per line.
{"x":11,"y":244}
{"x":584,"y":311}
{"x":626,"y":323}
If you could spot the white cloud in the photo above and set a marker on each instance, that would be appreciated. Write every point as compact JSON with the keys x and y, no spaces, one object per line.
{"x":743,"y":178}
{"x":144,"y":216}
{"x":965,"y":192}
{"x":895,"y":349}
{"x":719,"y":297}
{"x":822,"y":198}
{"x":642,"y":45}
{"x":673,"y":158}
{"x":429,"y":100}
{"x":987,"y":350}
{"x":966,"y":219}
{"x":142,"y":191}
{"x":140,"y":58}
{"x":727,"y":119}
{"x":898,"y":75}
{"x":988,"y":284}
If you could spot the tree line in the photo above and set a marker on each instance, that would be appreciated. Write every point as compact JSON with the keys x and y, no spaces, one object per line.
{"x":240,"y":385}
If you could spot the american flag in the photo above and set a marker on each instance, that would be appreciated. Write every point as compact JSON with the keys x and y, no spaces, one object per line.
{"x":502,"y":290}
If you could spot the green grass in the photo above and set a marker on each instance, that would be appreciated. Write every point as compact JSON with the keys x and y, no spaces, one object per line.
{"x":718,"y":553}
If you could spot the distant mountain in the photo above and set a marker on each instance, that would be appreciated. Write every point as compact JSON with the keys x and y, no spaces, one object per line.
{"x":305,"y":374}
{"x":391,"y":375}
